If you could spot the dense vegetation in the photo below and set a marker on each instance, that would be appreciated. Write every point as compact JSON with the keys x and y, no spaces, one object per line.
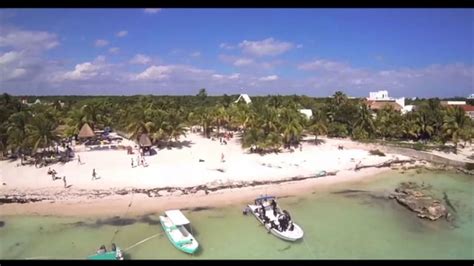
{"x":268,"y":123}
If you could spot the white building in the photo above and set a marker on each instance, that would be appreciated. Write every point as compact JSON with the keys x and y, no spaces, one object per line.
{"x":307,"y":112}
{"x":382,"y":96}
{"x":407,"y":108}
{"x":453,"y":102}
{"x":471,"y":96}
{"x":379,"y":96}
{"x":245,"y":97}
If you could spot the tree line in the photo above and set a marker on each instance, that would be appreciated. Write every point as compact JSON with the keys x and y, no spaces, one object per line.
{"x":269,"y":123}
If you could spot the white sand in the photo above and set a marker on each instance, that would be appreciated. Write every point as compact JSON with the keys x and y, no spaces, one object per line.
{"x":181,"y":167}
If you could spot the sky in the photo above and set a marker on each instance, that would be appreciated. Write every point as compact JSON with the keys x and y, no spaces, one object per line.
{"x":177,"y":51}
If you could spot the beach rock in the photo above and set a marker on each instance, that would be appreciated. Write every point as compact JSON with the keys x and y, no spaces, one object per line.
{"x":177,"y":193}
{"x":162,"y":193}
{"x":201,"y":193}
{"x":409,"y":194}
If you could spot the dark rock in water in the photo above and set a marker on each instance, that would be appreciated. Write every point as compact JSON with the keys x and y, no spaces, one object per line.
{"x":409,"y":194}
{"x":116,"y":221}
{"x":285,"y":248}
{"x":203,"y":208}
{"x":448,"y":202}
{"x":2,"y":223}
{"x":148,"y":220}
{"x":345,"y":191}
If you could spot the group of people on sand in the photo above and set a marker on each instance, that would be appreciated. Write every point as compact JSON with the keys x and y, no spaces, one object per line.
{"x":53,"y":174}
{"x":140,"y":161}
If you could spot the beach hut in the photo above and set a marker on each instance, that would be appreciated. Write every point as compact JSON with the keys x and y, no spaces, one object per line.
{"x":86,"y":132}
{"x":145,"y":144}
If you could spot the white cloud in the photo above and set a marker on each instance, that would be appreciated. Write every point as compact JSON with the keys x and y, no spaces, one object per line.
{"x":101,"y":43}
{"x":195,"y":54}
{"x":242,"y":61}
{"x":154,"y":73}
{"x":86,"y":71}
{"x":226,"y":77}
{"x":10,"y":57}
{"x":122,"y":33}
{"x":325,"y":65}
{"x":266,"y":47}
{"x":27,"y":40}
{"x":140,"y":59}
{"x":114,"y":50}
{"x":226,"y":46}
{"x":152,"y":10}
{"x":432,"y":80}
{"x":299,"y":46}
{"x":269,"y":78}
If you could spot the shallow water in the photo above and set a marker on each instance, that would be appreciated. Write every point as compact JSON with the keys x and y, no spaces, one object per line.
{"x":337,"y":225}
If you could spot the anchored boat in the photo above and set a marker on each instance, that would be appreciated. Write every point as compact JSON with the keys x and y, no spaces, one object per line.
{"x":174,"y":224}
{"x":103,"y":254}
{"x":276,"y":221}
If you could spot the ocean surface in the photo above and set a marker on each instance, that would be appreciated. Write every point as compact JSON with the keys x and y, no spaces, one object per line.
{"x":338,"y":224}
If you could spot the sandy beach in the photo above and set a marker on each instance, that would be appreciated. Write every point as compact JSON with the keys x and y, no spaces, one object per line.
{"x":192,"y":165}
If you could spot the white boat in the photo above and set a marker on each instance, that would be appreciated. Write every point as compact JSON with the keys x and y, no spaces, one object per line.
{"x":275,"y":220}
{"x":174,"y":224}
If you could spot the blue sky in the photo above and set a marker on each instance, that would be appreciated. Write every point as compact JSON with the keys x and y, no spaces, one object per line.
{"x":409,"y":52}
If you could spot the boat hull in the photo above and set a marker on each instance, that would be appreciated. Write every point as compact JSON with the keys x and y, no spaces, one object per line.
{"x":287,"y":235}
{"x":189,"y":248}
{"x":111,"y":255}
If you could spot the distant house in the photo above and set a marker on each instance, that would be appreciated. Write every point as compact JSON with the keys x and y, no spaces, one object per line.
{"x":446,"y":103}
{"x":408,"y":108}
{"x":471,"y":96}
{"x":469,"y":109}
{"x":379,"y":99}
{"x":379,"y":96}
{"x":244,"y":97}
{"x":377,"y":105}
{"x":307,"y":112}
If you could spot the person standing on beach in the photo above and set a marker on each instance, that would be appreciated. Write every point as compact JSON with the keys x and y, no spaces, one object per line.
{"x":222,"y":157}
{"x":132,"y":162}
{"x":64,"y":180}
{"x":79,"y":159}
{"x":93,"y":174}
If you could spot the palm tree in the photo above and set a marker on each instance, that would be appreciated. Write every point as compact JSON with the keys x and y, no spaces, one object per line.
{"x":291,"y":125}
{"x":17,"y":131}
{"x":42,"y":132}
{"x":139,"y":121}
{"x":219,"y":115}
{"x":454,"y":122}
{"x":423,"y":127}
{"x":364,"y":120}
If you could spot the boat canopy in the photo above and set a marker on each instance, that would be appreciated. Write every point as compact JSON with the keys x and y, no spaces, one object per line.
{"x":177,"y":217}
{"x":265,"y":198}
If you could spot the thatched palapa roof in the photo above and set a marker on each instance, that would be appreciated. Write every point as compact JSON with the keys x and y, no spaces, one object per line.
{"x":86,"y":132}
{"x":144,"y":141}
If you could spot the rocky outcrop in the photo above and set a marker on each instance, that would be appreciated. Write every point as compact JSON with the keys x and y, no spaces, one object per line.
{"x":412,"y":196}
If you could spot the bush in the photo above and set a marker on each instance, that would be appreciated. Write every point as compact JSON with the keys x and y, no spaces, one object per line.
{"x":470,"y":166}
{"x":376,"y":152}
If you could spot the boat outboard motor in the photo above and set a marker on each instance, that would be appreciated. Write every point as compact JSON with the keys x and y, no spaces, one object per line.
{"x":292,"y":226}
{"x":114,"y":247}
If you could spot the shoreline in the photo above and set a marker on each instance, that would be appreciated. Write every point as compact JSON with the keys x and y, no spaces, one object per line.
{"x":140,"y":203}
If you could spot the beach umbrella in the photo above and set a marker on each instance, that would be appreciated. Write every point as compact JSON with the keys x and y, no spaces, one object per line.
{"x":144,"y":141}
{"x":86,"y":132}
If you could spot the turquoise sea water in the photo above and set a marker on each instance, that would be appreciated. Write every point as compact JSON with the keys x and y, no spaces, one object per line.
{"x":336,"y":225}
